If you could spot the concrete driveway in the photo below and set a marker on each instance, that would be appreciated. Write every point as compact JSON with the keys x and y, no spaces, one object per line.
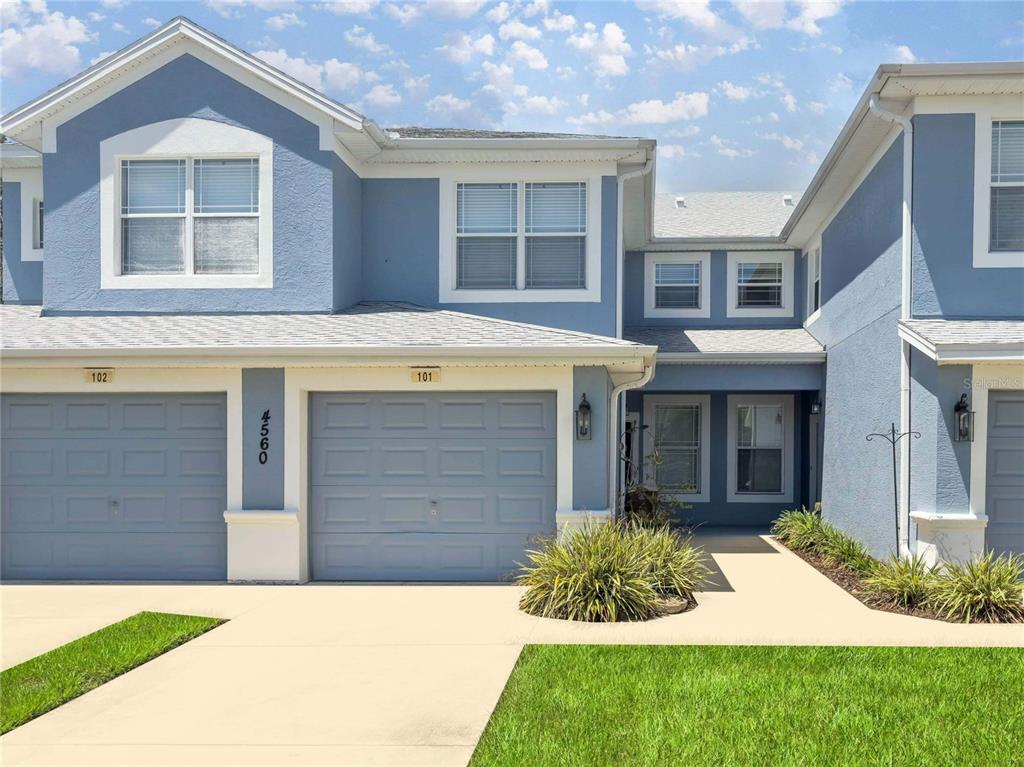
{"x":382,"y":675}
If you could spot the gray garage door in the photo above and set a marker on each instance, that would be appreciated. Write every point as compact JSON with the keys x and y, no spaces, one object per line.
{"x":1004,"y":480}
{"x":113,"y":487}
{"x":440,"y":487}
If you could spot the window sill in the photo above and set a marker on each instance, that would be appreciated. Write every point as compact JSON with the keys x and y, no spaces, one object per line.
{"x":186,"y":281}
{"x":1003,"y":259}
{"x":559,"y":295}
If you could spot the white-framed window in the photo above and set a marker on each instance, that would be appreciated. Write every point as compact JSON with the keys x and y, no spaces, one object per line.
{"x":813,"y":281}
{"x":524,"y":239}
{"x":677,"y":285}
{"x":999,"y":184}
{"x":190,"y":216}
{"x":760,"y":458}
{"x":676,"y":449}
{"x":760,"y":284}
{"x":186,"y":203}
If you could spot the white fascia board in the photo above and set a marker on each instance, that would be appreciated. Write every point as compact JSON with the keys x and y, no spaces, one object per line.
{"x":717,"y":243}
{"x":962,"y":354}
{"x":918,"y":341}
{"x":741,"y":358}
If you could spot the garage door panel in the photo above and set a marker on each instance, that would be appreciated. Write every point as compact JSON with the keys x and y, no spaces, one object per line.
{"x":113,"y":486}
{"x":418,"y":557}
{"x":1004,"y":480}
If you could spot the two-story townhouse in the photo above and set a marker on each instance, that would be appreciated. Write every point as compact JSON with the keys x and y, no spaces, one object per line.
{"x":373,"y":354}
{"x":265,"y":339}
{"x":891,"y":292}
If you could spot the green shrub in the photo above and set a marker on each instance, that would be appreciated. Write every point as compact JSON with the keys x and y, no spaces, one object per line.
{"x":903,"y":583}
{"x":800,"y":529}
{"x":677,"y":568}
{"x":609,"y":571}
{"x":838,"y":549}
{"x":986,"y":589}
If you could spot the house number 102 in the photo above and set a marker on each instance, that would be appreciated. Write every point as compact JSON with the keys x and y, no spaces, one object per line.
{"x":264,"y":436}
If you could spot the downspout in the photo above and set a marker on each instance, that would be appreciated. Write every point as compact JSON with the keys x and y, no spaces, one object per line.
{"x":613,"y":432}
{"x":616,"y":410}
{"x":905,"y":303}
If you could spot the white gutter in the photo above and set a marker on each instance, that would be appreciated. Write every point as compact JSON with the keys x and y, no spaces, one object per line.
{"x":613,"y":431}
{"x":906,"y":274}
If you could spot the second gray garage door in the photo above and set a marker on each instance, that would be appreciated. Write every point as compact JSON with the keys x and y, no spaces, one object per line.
{"x":113,"y":487}
{"x":429,"y":487}
{"x":1004,"y":478}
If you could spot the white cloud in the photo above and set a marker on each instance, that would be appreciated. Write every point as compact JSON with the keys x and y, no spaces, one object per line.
{"x":535,"y":8}
{"x":789,"y":101}
{"x":772,"y":117}
{"x":565,"y":73}
{"x":499,"y":13}
{"x":342,"y":75}
{"x":454,"y":9}
{"x":790,"y":143}
{"x":734,"y":92}
{"x":687,"y":56}
{"x":527,"y":54}
{"x":461,"y":47}
{"x":117,"y":26}
{"x":96,"y":16}
{"x":547,"y":105}
{"x":309,"y":72}
{"x":728,"y":148}
{"x":608,"y":49}
{"x":817,"y":107}
{"x":810,"y":13}
{"x":416,"y":86}
{"x":762,"y":14}
{"x":448,"y":103}
{"x":283,"y":20}
{"x":904,"y":55}
{"x":363,"y":38}
{"x":840,"y":83}
{"x":583,"y":99}
{"x":560,"y":22}
{"x":687,"y":131}
{"x":48,"y":42}
{"x":517,"y":30}
{"x":231,"y":8}
{"x":673,"y":151}
{"x":685,"y":106}
{"x":112,"y":4}
{"x":404,"y":14}
{"x":348,"y":7}
{"x":149,"y":21}
{"x":383,"y":96}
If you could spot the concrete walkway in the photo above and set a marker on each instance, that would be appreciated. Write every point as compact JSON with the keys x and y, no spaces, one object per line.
{"x":382,"y":675}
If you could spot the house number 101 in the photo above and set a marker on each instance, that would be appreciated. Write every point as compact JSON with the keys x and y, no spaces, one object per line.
{"x":264,"y":436}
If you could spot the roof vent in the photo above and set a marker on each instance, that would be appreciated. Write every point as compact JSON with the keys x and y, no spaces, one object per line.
{"x":680,"y":202}
{"x":787,"y":199}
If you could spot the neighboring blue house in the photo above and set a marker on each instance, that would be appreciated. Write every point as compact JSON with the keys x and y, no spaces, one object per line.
{"x":402,"y":354}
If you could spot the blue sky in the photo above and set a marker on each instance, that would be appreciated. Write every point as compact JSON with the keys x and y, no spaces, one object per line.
{"x":739,"y":95}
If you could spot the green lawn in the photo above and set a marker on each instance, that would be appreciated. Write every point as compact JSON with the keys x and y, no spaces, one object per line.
{"x":38,"y":685}
{"x":722,"y":706}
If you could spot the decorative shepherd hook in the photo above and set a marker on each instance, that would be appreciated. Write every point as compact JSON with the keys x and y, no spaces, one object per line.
{"x":892,"y":437}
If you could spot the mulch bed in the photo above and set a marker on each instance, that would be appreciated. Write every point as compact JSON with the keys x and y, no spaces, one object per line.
{"x":854,"y":585}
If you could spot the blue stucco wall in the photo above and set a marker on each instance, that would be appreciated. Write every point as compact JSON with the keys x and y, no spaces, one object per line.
{"x":304,"y":195}
{"x":23,"y":280}
{"x":945,"y":282}
{"x":633,"y":297}
{"x":400,"y":257}
{"x":263,"y":483}
{"x":861,"y":296}
{"x":674,"y":377}
{"x":347,"y":235}
{"x":940,"y":469}
{"x":590,"y":457}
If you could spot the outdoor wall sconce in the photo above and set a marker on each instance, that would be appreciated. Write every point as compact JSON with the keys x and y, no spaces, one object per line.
{"x":583,"y":419}
{"x":963,"y":421}
{"x":815,"y":407}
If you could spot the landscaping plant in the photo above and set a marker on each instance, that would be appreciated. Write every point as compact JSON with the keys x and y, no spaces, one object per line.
{"x":800,"y":529}
{"x":838,"y":549}
{"x":904,"y":583}
{"x":609,"y":571}
{"x":987,"y":589}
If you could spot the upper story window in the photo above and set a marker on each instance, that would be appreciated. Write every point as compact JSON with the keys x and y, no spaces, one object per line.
{"x":531,"y":239}
{"x":520,"y":236}
{"x":814,"y":280}
{"x":190,"y":216}
{"x":1006,"y":191}
{"x":677,"y":285}
{"x":760,"y":284}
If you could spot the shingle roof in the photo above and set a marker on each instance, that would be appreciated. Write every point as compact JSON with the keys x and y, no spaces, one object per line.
{"x":416,"y":131}
{"x":362,"y":328}
{"x":948,"y":340}
{"x":726,"y":342}
{"x":722,"y":214}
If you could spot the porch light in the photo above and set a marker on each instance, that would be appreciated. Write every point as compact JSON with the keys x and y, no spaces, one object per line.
{"x":583,"y":419}
{"x":963,"y":421}
{"x":815,"y":407}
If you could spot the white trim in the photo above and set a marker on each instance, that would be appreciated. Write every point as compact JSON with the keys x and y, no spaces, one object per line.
{"x":734,"y":401}
{"x":984,"y":116}
{"x":31,"y":180}
{"x":704,"y":401}
{"x":449,"y":178}
{"x":179,"y":138}
{"x":742,"y":358}
{"x":651,"y":260}
{"x":300,"y":382}
{"x":961,"y":354}
{"x":984,"y":378}
{"x":734,"y":258}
